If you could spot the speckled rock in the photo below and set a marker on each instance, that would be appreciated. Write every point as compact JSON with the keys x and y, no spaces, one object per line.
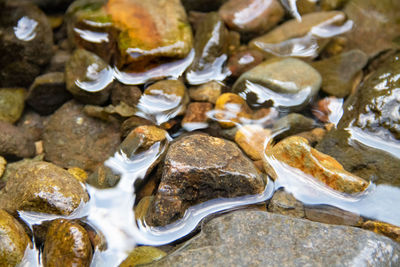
{"x":198,"y":168}
{"x":264,"y":14}
{"x":196,"y":116}
{"x":296,"y":152}
{"x":42,"y":187}
{"x":340,"y":72}
{"x":286,"y":83}
{"x":67,"y":242}
{"x":367,"y":138}
{"x":12,"y":103}
{"x":13,"y":240}
{"x":14,"y":142}
{"x":26,"y":42}
{"x":88,"y":78}
{"x":48,"y":93}
{"x":243,"y":238}
{"x":142,"y":255}
{"x":73,"y":139}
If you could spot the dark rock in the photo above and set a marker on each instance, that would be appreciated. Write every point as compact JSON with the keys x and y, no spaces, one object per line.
{"x":202,"y":5}
{"x":14,"y":142}
{"x":125,"y":93}
{"x":198,"y":168}
{"x":285,"y":203}
{"x":332,"y":215}
{"x":47,"y":93}
{"x":12,"y":103}
{"x":13,"y":240}
{"x":88,"y":78}
{"x":211,"y":47}
{"x":58,"y":61}
{"x":246,"y":238}
{"x":53,"y":5}
{"x":67,"y":242}
{"x":42,"y":187}
{"x":32,"y":124}
{"x":73,"y":139}
{"x":26,"y":41}
{"x":367,"y":137}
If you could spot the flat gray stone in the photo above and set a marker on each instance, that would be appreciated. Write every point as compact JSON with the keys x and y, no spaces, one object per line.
{"x":257,"y":238}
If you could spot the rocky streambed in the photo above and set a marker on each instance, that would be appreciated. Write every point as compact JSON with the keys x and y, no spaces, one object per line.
{"x":199,"y":133}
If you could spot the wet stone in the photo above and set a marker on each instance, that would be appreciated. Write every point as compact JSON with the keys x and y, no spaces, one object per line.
{"x":231,"y":109}
{"x":32,"y":124}
{"x":196,"y":116}
{"x":292,"y":124}
{"x":383,"y":228}
{"x":42,"y":187}
{"x":125,"y":93}
{"x":203,"y":5}
{"x":13,"y":240}
{"x":73,"y":139}
{"x":26,"y":42}
{"x":243,"y":61}
{"x":208,"y":92}
{"x":328,"y":109}
{"x":314,"y":136}
{"x":12,"y":103}
{"x":287,"y":83}
{"x":198,"y":168}
{"x":48,"y":93}
{"x":14,"y":142}
{"x":264,"y":14}
{"x":67,"y":242}
{"x":58,"y":61}
{"x":88,"y":78}
{"x":366,"y":140}
{"x":129,"y":124}
{"x":284,"y":39}
{"x":211,"y":45}
{"x":340,"y":72}
{"x":3,"y":164}
{"x":251,"y":139}
{"x":332,"y":215}
{"x":242,"y":238}
{"x":296,"y":152}
{"x":286,"y":204}
{"x":142,"y":255}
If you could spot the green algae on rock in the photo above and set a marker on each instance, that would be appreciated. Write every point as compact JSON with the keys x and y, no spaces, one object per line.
{"x":12,"y":103}
{"x":286,"y":83}
{"x":13,"y":240}
{"x":67,"y":242}
{"x":42,"y":187}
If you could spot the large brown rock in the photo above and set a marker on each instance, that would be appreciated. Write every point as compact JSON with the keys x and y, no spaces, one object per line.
{"x":73,"y":139}
{"x":198,"y":168}
{"x":14,"y":142}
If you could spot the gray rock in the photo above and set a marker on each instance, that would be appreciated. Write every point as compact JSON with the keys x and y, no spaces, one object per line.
{"x":256,"y":238}
{"x":286,"y":83}
{"x":26,"y":43}
{"x":48,"y":93}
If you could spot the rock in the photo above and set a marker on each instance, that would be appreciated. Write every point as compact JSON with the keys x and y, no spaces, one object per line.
{"x":376,"y":20}
{"x":306,"y":6}
{"x":163,"y":101}
{"x":3,"y":164}
{"x":196,"y":116}
{"x":125,"y":93}
{"x":12,"y":103}
{"x":198,"y":168}
{"x":383,"y":228}
{"x":78,"y":173}
{"x":340,"y":72}
{"x":211,"y":46}
{"x":286,"y":204}
{"x":73,"y":139}
{"x":47,"y":93}
{"x":110,"y":113}
{"x":202,"y":5}
{"x":103,"y":177}
{"x":231,"y":109}
{"x":142,"y":255}
{"x":296,"y":152}
{"x":253,"y":17}
{"x":67,"y":242}
{"x":366,"y":140}
{"x":314,"y":136}
{"x":242,"y":238}
{"x":129,"y":124}
{"x":42,"y":187}
{"x":287,"y":83}
{"x":58,"y":61}
{"x":88,"y":78}
{"x":285,"y":39}
{"x":332,"y":215}
{"x":14,"y":142}
{"x":243,"y":61}
{"x":251,"y":139}
{"x":32,"y":124}
{"x":329,"y":109}
{"x":208,"y":92}
{"x":292,"y":124}
{"x":164,"y":33}
{"x":53,"y":5}
{"x":26,"y":42}
{"x":332,"y":4}
{"x":13,"y":240}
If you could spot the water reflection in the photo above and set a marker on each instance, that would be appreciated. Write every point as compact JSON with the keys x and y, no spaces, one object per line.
{"x":96,"y":78}
{"x":26,"y":29}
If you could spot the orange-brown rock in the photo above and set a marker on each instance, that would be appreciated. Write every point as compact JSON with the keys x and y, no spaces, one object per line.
{"x":231,"y":109}
{"x":297,"y":153}
{"x":196,"y":115}
{"x":383,"y":228}
{"x":251,"y":140}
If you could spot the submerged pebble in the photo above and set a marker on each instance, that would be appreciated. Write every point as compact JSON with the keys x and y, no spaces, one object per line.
{"x":12,"y":103}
